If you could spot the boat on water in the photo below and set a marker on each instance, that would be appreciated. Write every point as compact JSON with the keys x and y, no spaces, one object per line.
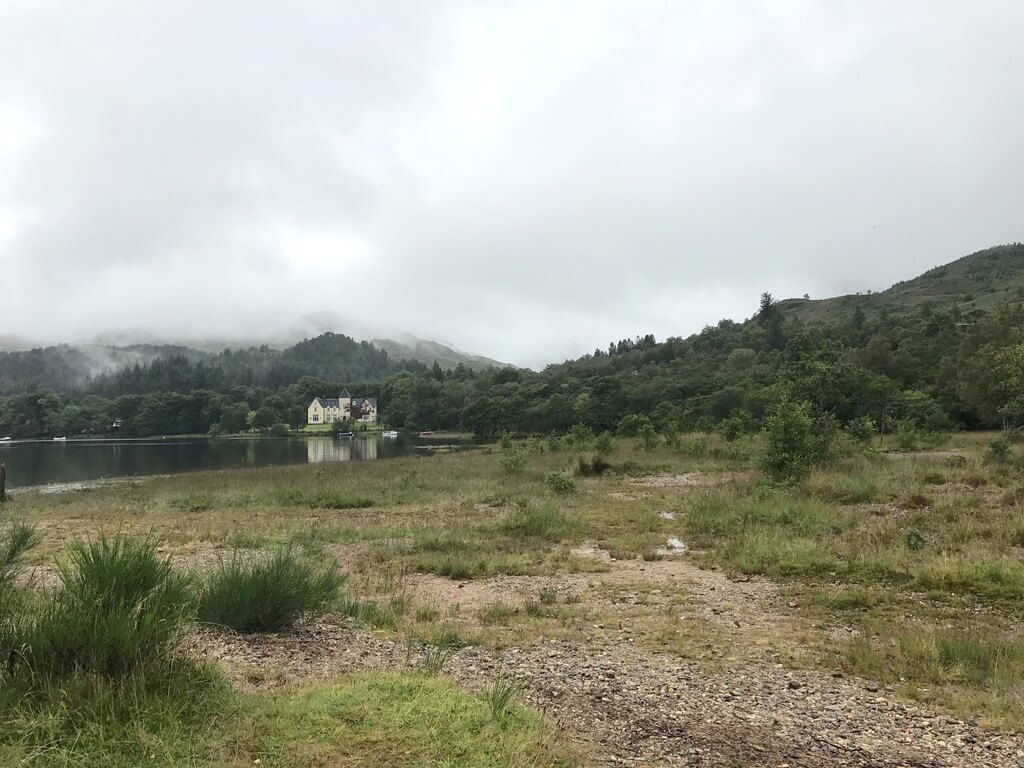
{"x":389,"y":433}
{"x":426,"y":433}
{"x":59,"y":439}
{"x":4,"y":439}
{"x":344,"y":434}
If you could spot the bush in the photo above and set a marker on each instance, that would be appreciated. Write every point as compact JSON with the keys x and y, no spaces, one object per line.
{"x":513,"y":461}
{"x":560,"y":481}
{"x":279,"y":430}
{"x":121,"y":610}
{"x":908,"y":437}
{"x":268,"y":595}
{"x":16,"y":541}
{"x":581,"y":435}
{"x":998,"y":451}
{"x":861,"y":429}
{"x":604,"y":444}
{"x":631,"y":425}
{"x":737,"y":424}
{"x":789,"y":451}
{"x":648,"y":437}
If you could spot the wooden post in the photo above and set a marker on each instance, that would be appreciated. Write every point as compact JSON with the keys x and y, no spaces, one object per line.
{"x":3,"y":483}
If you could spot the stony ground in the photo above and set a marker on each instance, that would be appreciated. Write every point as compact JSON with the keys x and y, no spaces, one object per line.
{"x":626,"y":702}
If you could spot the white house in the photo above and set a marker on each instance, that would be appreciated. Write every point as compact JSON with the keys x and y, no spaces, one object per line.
{"x":325,"y":410}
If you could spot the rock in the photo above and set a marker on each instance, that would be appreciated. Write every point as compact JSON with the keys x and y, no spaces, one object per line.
{"x":795,"y":685}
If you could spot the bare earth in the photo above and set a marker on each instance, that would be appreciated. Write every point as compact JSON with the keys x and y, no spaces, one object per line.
{"x":624,"y":701}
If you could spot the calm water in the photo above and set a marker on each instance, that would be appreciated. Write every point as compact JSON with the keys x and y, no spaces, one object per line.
{"x":45,"y":462}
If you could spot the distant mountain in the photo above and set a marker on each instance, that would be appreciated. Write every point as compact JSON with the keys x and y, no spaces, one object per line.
{"x":426,"y":351}
{"x":109,"y":369}
{"x":972,"y":284}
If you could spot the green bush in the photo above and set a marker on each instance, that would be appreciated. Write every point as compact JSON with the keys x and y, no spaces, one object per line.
{"x":999,"y":450}
{"x":268,"y":595}
{"x":279,"y":430}
{"x":560,"y":481}
{"x":789,"y":449}
{"x":861,"y":429}
{"x":604,"y":444}
{"x":631,"y":425}
{"x":908,"y":437}
{"x":513,"y":461}
{"x":120,"y":610}
{"x":648,"y":437}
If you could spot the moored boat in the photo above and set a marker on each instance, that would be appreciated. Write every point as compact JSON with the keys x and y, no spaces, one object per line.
{"x":59,"y":439}
{"x":389,"y":433}
{"x":426,"y":433}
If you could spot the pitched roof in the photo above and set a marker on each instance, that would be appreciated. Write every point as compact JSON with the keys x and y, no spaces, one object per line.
{"x":344,"y":393}
{"x":368,"y":400}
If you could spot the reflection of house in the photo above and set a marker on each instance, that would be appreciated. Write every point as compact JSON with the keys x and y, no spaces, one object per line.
{"x":324,"y":410}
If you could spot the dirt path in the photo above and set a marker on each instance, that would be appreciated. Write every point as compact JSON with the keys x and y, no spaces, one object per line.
{"x":632,"y":705}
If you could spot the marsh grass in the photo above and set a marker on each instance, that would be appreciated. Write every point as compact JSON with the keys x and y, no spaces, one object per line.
{"x":267,"y":595}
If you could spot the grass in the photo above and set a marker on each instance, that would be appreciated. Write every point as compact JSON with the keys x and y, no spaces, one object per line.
{"x":267,"y":595}
{"x":892,"y":550}
{"x":120,"y":610}
{"x":395,"y":718}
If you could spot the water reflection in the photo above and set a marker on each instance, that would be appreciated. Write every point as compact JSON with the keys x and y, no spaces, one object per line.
{"x":40,"y":462}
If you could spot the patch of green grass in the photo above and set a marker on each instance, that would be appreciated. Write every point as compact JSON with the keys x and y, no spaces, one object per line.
{"x":267,"y":595}
{"x":319,"y":499}
{"x":378,"y":615}
{"x":389,"y":719}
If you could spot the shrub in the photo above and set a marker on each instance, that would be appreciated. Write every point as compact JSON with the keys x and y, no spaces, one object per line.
{"x":554,"y":443}
{"x":631,"y":425}
{"x":121,"y":610}
{"x":908,"y":437}
{"x":648,"y":437}
{"x":560,"y":481}
{"x":268,"y":595}
{"x":789,"y":451}
{"x":604,"y":444}
{"x":513,"y":461}
{"x":736,"y":424}
{"x":279,"y":430}
{"x":581,"y":435}
{"x":861,"y":429}
{"x":998,"y":451}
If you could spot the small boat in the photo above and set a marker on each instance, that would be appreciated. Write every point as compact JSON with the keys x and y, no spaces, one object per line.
{"x":4,"y":439}
{"x":389,"y":433}
{"x":426,"y":433}
{"x":344,"y":434}
{"x":59,"y":439}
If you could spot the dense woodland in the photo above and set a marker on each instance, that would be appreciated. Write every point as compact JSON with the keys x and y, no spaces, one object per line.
{"x":926,"y":353}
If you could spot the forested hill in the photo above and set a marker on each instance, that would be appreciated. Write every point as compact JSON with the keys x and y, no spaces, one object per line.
{"x":942,"y":350}
{"x":968,"y":286}
{"x":136,"y":369}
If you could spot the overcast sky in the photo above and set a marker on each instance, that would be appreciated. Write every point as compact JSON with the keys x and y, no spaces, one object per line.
{"x":525,"y":180}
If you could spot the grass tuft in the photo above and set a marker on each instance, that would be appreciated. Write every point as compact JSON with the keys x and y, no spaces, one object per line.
{"x":269,"y":595}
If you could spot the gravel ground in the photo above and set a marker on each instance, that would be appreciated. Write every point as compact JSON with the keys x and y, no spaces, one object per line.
{"x":629,"y":705}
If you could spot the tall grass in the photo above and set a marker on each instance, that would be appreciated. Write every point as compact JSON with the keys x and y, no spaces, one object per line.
{"x":538,"y":521}
{"x":120,"y":610}
{"x":268,"y":595}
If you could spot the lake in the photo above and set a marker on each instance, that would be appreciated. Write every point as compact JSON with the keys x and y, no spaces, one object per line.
{"x":44,"y":462}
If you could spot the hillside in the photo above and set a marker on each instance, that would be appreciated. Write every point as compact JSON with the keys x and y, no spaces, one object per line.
{"x":426,"y":351}
{"x":972,"y":284}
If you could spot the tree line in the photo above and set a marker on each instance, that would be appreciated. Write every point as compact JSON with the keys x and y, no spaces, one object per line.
{"x":931,"y":369}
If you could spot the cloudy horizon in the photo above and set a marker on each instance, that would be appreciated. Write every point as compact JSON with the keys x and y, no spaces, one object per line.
{"x":525,"y":180}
